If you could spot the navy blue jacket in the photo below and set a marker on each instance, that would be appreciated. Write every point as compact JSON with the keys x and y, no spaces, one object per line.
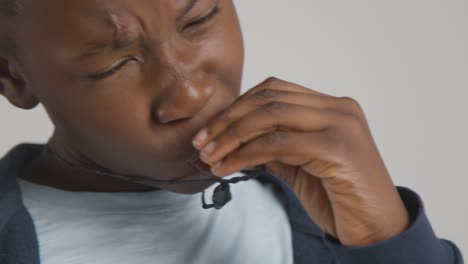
{"x":418,"y":244}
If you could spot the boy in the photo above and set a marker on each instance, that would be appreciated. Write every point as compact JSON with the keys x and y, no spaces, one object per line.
{"x":139,"y":88}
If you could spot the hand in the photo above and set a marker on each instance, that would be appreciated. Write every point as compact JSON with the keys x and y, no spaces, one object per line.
{"x":321,"y":146}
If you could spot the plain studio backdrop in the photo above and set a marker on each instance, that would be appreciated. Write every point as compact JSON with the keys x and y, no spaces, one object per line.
{"x":404,"y":61}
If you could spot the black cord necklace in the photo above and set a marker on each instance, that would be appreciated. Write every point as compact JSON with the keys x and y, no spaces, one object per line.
{"x":221,"y":195}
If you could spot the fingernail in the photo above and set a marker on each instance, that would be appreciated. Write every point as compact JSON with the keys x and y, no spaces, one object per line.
{"x":199,"y":138}
{"x":208,"y":149}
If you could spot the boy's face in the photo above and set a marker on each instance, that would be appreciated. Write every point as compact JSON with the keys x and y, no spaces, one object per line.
{"x":128,"y":83}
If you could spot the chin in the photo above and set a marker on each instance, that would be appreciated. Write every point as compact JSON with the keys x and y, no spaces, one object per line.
{"x":195,"y":171}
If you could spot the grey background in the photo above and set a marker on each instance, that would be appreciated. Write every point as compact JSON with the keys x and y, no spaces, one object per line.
{"x":405,"y":61}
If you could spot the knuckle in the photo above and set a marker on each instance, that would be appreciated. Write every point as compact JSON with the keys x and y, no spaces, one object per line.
{"x":275,"y":107}
{"x":336,"y":140}
{"x":273,"y":138}
{"x":344,"y":127}
{"x":231,"y":130}
{"x":351,"y":122}
{"x":264,"y":95}
{"x":226,"y":116}
{"x":352,"y":106}
{"x":350,"y":103}
{"x":271,"y":79}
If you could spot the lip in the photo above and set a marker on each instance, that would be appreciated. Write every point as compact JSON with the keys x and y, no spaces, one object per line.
{"x":198,"y":164}
{"x":189,"y":127}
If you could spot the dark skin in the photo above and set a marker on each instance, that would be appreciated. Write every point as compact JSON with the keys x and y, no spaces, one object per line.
{"x":178,"y":73}
{"x":141,"y":119}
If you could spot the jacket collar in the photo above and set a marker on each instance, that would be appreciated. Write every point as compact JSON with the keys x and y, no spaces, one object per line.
{"x":10,"y":196}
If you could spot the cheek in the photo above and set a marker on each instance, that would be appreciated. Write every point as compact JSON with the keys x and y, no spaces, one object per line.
{"x":225,"y":50}
{"x":114,"y":130}
{"x":109,"y":117}
{"x":95,"y":118}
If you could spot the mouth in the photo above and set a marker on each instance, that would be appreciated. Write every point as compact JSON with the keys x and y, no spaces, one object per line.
{"x":199,"y":165}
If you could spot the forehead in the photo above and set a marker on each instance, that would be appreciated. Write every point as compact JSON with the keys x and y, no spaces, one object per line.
{"x":99,"y":7}
{"x":70,"y":22}
{"x":66,"y":14}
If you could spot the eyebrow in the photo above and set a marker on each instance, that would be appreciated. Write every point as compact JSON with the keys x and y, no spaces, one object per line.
{"x":116,"y":44}
{"x":120,"y":41}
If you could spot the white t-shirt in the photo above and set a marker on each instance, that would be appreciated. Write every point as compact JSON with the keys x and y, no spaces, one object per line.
{"x":159,"y":226}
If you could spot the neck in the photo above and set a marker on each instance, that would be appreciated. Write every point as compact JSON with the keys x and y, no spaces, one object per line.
{"x":48,"y":170}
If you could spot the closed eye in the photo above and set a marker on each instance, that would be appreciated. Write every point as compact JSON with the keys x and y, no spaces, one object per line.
{"x":114,"y":69}
{"x":204,"y":19}
{"x":119,"y":65}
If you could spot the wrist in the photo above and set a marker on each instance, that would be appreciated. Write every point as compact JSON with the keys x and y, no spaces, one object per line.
{"x":378,"y":226}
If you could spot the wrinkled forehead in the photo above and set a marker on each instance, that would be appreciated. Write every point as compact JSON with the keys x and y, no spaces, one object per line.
{"x":69,"y":14}
{"x":91,"y":8}
{"x":69,"y":22}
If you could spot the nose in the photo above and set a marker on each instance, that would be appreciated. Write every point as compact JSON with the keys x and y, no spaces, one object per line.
{"x":183,"y":99}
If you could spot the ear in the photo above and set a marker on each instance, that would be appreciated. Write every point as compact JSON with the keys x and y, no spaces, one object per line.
{"x":13,"y":86}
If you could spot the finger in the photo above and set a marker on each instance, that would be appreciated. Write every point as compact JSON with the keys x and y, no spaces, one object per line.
{"x":292,"y":148}
{"x":265,"y":96}
{"x":270,"y":83}
{"x":273,"y":84}
{"x":270,"y":117}
{"x":282,"y":85}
